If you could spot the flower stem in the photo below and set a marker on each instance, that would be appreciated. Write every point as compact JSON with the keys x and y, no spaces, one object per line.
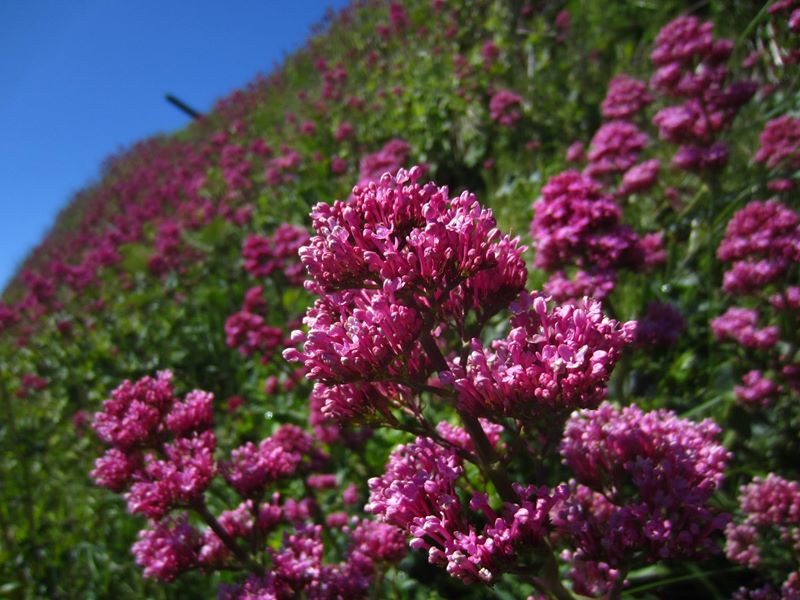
{"x":489,"y":463}
{"x":199,"y":506}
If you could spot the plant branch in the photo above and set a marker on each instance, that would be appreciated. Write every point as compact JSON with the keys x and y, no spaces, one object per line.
{"x":488,"y":460}
{"x":199,"y":506}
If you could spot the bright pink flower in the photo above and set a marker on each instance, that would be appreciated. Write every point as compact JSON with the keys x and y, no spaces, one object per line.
{"x":574,"y":223}
{"x":133,"y":414}
{"x":780,"y":143}
{"x":167,"y":550}
{"x":756,"y":390}
{"x":354,"y":336}
{"x":550,"y":363}
{"x":195,"y":413}
{"x":740,"y":324}
{"x":504,"y":108}
{"x":176,"y":481}
{"x":626,"y":96}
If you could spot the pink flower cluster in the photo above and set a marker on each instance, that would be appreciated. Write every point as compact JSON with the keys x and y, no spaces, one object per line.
{"x":283,"y":169}
{"x":355,"y":336}
{"x":551,"y":362}
{"x":574,"y":222}
{"x":771,"y":509}
{"x":641,"y":177}
{"x":251,"y":467}
{"x":134,"y":420}
{"x":417,"y":493}
{"x":615,"y":148}
{"x":389,"y":159}
{"x":756,"y":390}
{"x":164,"y":475}
{"x":597,"y":284}
{"x":265,"y":256}
{"x":644,"y":483}
{"x":250,"y":334}
{"x":763,"y":241}
{"x":691,"y":66}
{"x":740,"y":324}
{"x":504,"y":108}
{"x":393,"y":254}
{"x":167,"y":550}
{"x":298,"y":569}
{"x":357,"y":401}
{"x":780,"y":143}
{"x":625,"y":98}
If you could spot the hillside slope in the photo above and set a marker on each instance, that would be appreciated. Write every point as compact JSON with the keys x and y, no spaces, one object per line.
{"x":184,"y":257}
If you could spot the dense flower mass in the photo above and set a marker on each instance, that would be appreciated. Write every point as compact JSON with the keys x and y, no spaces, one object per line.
{"x":740,"y":324}
{"x":763,"y":241}
{"x":167,"y":550}
{"x":574,"y":222}
{"x":177,"y":480}
{"x":649,"y":477}
{"x":615,"y":148}
{"x":504,"y":107}
{"x":626,"y":96}
{"x":133,"y":414}
{"x":387,"y":257}
{"x":780,"y":143}
{"x":348,"y":402}
{"x":550,"y":363}
{"x":756,"y":389}
{"x":640,"y":177}
{"x":683,"y":41}
{"x":771,"y":509}
{"x":691,"y":66}
{"x":399,"y":231}
{"x":355,"y":336}
{"x":251,"y":467}
{"x":417,"y":493}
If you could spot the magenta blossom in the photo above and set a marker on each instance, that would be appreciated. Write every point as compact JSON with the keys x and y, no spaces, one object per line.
{"x":549,"y":364}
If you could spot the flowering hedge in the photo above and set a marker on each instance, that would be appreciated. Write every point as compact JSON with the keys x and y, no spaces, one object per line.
{"x":497,"y":299}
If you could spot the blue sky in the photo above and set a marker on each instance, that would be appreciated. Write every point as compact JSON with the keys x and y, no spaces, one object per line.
{"x":80,"y":79}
